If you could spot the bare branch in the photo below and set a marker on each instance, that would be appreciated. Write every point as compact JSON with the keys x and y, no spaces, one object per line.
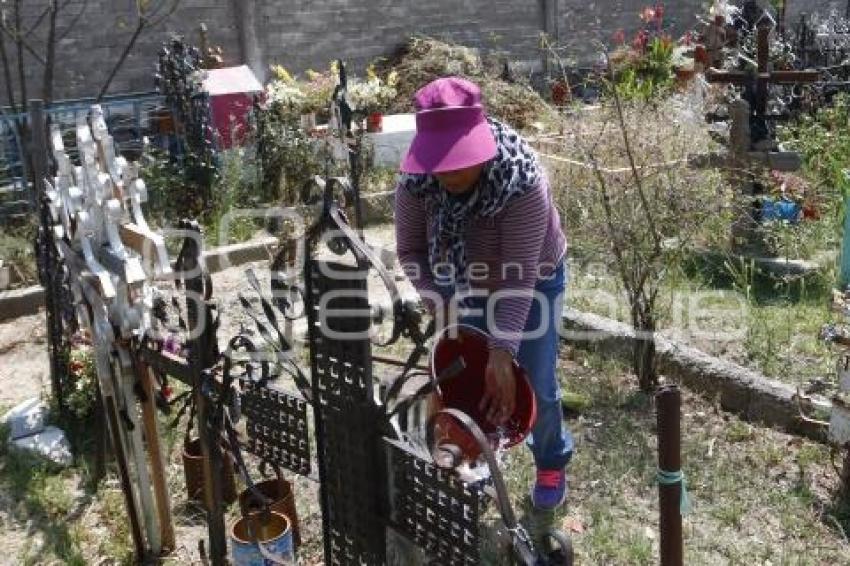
{"x":155,"y":20}
{"x":7,"y":74}
{"x":612,"y":231}
{"x":126,"y":53}
{"x":49,"y":68}
{"x":73,"y":23}
{"x":20,"y":41}
{"x":38,"y":21}
{"x":20,"y":45}
{"x":628,"y":147}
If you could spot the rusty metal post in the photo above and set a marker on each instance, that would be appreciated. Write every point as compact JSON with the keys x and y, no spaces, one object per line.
{"x":669,"y":406}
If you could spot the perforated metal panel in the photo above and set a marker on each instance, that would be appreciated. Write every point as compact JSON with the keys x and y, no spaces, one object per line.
{"x":277,"y":427}
{"x":352,"y":467}
{"x":435,"y":509}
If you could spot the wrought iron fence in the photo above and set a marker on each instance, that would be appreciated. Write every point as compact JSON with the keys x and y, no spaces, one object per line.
{"x":130,"y":117}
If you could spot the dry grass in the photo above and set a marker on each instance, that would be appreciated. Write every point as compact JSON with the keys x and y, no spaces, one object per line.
{"x":686,"y":203}
{"x":760,"y":496}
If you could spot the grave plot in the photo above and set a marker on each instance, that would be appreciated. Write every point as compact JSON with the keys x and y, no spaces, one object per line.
{"x":229,"y":411}
{"x":384,"y":498}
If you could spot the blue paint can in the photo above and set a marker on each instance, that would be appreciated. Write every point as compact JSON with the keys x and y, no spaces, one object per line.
{"x":273,"y":531}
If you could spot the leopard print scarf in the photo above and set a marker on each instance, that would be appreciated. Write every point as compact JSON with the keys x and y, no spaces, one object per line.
{"x":513,"y":172}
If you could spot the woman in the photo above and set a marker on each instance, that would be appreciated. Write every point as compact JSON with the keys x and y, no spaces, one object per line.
{"x":474,"y":220}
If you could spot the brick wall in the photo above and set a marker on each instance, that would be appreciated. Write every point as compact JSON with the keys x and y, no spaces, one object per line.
{"x":308,"y":33}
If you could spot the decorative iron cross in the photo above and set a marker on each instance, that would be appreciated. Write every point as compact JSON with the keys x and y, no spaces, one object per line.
{"x":756,"y":84}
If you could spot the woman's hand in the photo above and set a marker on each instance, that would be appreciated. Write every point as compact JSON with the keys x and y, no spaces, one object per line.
{"x":499,"y":387}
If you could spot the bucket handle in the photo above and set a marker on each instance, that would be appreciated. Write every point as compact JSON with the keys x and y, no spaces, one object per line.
{"x":267,"y":555}
{"x":522,"y":544}
{"x":433,"y":386}
{"x":265,"y":501}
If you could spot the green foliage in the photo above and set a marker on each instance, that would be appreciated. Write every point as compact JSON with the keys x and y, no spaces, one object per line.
{"x":169,"y":199}
{"x":288,"y":156}
{"x":17,"y":248}
{"x":644,"y":75}
{"x":164,"y":181}
{"x":174,"y":189}
{"x":824,"y":141}
{"x":41,"y":496}
{"x":234,"y":190}
{"x":81,"y":394}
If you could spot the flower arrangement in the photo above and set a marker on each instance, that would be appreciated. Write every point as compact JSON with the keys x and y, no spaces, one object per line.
{"x":374,"y":95}
{"x":319,"y":88}
{"x":284,"y":92}
{"x":82,"y":378}
{"x":646,"y":65}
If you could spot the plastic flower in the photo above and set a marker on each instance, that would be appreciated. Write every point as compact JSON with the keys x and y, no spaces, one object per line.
{"x":641,"y":41}
{"x":371,"y":74}
{"x":620,"y":37}
{"x":285,"y":93}
{"x":392,"y":79}
{"x":373,"y":94}
{"x":172,"y":345}
{"x":282,"y":74}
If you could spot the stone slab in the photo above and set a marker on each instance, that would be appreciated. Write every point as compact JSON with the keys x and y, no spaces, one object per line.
{"x":51,"y":444}
{"x":26,"y":418}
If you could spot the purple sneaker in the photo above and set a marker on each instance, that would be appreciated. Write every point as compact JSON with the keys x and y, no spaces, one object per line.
{"x":550,"y":489}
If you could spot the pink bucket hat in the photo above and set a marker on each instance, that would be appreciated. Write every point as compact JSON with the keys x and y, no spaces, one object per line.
{"x":452,"y":131}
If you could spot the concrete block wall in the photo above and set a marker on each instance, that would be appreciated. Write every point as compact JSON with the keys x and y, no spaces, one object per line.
{"x":307,"y":34}
{"x":302,"y":34}
{"x":86,"y":56}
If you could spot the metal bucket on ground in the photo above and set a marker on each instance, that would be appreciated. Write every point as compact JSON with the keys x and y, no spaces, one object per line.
{"x":193,"y":469}
{"x":262,"y":539}
{"x":282,"y":500}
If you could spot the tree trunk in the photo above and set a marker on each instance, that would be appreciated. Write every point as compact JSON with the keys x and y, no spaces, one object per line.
{"x":50,"y":64}
{"x":19,"y":43}
{"x":644,"y":360}
{"x":7,"y":74}
{"x":246,"y":23}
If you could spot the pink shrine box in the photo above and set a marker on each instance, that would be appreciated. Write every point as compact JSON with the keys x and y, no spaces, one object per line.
{"x":232,"y":92}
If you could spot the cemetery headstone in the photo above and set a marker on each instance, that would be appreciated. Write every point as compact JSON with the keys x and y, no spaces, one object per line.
{"x":752,"y":147}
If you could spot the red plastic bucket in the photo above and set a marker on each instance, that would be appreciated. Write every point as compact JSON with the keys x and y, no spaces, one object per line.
{"x":465,"y":389}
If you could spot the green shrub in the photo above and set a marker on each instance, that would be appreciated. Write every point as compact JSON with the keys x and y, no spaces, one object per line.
{"x":288,"y":157}
{"x":644,"y":75}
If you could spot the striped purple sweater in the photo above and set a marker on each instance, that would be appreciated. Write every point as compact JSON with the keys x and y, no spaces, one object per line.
{"x":510,"y":252}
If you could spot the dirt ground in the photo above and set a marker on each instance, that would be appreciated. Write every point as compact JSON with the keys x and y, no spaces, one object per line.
{"x":24,"y":363}
{"x":760,"y":496}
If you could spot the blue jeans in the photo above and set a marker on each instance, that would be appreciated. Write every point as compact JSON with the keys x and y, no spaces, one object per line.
{"x":550,"y":441}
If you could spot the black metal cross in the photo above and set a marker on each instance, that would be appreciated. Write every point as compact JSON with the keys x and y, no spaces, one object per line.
{"x":756,"y":83}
